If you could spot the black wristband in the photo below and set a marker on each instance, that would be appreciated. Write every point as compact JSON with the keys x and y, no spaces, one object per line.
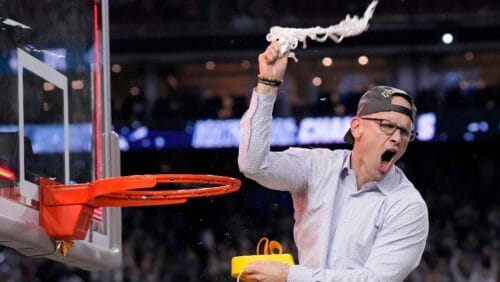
{"x":269,"y":81}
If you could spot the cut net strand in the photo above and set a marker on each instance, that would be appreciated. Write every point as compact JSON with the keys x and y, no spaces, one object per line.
{"x":288,"y":38}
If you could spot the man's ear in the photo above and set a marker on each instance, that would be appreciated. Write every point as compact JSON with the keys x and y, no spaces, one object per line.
{"x":356,"y":128}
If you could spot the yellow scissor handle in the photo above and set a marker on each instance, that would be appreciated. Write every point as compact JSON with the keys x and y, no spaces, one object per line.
{"x":270,"y":247}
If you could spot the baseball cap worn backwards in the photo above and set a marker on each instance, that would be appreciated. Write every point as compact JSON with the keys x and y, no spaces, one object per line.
{"x":379,"y":99}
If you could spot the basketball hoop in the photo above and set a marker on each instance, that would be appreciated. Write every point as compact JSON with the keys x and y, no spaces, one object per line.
{"x":66,"y":210}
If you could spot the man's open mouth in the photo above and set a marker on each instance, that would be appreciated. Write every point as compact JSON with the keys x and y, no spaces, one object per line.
{"x":388,"y":155}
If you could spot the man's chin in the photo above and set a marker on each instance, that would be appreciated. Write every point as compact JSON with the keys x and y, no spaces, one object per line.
{"x":384,"y":168}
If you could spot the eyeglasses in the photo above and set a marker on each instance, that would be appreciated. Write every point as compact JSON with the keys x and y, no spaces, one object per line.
{"x":389,"y":127}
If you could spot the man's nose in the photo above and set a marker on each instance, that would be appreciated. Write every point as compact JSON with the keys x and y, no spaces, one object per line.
{"x":397,"y":136}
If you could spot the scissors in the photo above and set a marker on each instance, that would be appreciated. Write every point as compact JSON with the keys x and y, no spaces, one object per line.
{"x":270,"y":247}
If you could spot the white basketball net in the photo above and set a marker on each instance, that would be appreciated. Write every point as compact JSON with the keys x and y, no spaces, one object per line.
{"x":288,"y":38}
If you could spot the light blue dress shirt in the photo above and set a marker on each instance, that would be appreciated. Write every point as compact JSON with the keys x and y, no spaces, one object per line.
{"x":375,"y":234}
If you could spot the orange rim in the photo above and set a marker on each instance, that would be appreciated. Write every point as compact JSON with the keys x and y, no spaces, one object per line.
{"x":122,"y":191}
{"x":66,"y":210}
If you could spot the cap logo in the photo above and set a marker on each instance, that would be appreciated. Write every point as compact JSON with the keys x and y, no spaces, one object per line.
{"x":386,"y":93}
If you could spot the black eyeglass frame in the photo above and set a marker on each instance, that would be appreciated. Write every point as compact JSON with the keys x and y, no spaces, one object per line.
{"x":408,"y":135}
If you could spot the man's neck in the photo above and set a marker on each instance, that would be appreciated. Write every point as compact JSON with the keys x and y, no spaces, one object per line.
{"x":359,"y":170}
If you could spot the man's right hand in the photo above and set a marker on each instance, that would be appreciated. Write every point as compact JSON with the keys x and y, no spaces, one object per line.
{"x":267,"y":271}
{"x":271,"y":66}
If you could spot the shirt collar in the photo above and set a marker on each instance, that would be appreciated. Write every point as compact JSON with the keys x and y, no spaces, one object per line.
{"x":346,"y":166}
{"x":386,"y":185}
{"x":389,"y":182}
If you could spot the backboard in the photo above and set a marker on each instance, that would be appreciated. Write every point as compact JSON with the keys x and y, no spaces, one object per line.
{"x":55,"y":122}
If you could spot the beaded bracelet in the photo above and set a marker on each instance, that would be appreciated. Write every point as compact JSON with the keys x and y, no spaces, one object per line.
{"x":269,"y":81}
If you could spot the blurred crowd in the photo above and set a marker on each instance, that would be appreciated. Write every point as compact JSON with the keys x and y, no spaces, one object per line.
{"x":461,"y":192}
{"x":246,"y":14}
{"x":189,"y":106}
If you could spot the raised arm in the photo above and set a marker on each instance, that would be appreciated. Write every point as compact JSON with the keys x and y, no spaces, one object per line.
{"x":275,"y":170}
